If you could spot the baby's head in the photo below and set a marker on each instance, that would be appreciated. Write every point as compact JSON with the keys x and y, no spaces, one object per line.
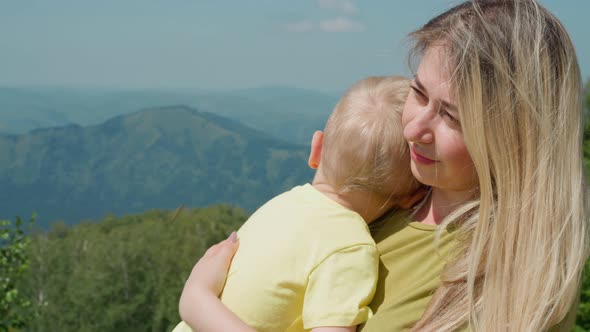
{"x":363,"y":147}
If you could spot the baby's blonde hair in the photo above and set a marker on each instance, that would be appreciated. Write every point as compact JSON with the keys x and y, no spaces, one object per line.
{"x":364,"y":148}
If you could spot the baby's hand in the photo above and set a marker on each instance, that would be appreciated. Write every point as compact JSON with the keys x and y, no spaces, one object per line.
{"x":209,"y":274}
{"x":200,"y":306}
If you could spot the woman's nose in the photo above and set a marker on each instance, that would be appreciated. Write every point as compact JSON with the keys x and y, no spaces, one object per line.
{"x":419,"y":128}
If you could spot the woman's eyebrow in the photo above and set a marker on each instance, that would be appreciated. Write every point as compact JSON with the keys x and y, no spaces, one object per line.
{"x":444,"y":103}
{"x":449,"y":107}
{"x":418,"y":83}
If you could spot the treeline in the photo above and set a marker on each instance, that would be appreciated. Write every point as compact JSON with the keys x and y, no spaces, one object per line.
{"x":127,"y":273}
{"x":583,"y":318}
{"x":119,"y":274}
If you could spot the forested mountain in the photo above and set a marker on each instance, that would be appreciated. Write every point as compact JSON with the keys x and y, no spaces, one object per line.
{"x":154,"y":158}
{"x":287,"y":113}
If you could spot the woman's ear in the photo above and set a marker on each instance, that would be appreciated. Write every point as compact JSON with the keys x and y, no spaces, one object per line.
{"x":316,"y":149}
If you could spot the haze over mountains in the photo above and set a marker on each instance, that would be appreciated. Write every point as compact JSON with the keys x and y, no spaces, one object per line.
{"x":289,"y":114}
{"x":154,"y":158}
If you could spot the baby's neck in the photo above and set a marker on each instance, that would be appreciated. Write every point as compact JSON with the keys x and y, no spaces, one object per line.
{"x":368,"y":205}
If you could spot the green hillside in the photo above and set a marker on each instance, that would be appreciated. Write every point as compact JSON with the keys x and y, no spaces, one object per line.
{"x":119,"y":274}
{"x":155,"y":158}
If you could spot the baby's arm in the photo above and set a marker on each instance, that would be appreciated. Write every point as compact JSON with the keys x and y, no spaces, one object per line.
{"x":208,"y":314}
{"x":199,"y":304}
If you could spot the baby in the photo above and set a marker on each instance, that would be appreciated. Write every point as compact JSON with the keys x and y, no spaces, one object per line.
{"x":306,"y":258}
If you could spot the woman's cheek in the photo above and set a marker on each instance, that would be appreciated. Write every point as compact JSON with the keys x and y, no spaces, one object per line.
{"x":460,"y":162}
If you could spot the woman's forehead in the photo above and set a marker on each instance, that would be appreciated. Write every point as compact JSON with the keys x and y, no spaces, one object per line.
{"x":434,"y":73}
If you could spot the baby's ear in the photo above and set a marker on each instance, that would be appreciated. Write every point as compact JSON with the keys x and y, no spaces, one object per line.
{"x":316,"y":149}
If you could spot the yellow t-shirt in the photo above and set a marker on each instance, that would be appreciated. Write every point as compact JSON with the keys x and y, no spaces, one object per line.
{"x":409,"y":271}
{"x":304,"y":261}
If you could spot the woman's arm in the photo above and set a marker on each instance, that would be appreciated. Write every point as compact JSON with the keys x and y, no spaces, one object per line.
{"x":199,"y":304}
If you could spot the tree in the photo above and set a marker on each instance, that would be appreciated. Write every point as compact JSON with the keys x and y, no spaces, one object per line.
{"x":583,"y":319}
{"x":14,"y":263}
{"x":587,"y":130}
{"x":121,"y":273}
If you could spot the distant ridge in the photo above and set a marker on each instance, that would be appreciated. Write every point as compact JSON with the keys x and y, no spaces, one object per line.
{"x":153,"y":158}
{"x":286,"y":113}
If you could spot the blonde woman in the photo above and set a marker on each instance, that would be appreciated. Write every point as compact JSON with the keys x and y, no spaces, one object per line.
{"x":494,"y":126}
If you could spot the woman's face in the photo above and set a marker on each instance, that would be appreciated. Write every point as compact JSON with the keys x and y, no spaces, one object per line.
{"x":432,"y":127}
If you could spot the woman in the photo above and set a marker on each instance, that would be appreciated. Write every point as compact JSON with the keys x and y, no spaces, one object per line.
{"x":494,"y":125}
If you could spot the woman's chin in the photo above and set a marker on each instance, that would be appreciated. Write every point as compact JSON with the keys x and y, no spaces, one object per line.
{"x":424,"y":176}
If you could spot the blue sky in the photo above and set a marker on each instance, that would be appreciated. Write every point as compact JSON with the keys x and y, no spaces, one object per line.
{"x":222,"y":44}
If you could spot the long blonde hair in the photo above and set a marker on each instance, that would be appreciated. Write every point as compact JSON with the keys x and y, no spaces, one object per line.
{"x":517,"y":84}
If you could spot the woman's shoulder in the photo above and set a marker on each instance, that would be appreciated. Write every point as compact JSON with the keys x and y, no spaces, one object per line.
{"x":398,"y":229}
{"x":389,"y":224}
{"x":411,"y":264}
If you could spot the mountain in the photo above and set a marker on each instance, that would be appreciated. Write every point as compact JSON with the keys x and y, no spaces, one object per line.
{"x":25,"y":109}
{"x":292,"y":113}
{"x":289,"y":114}
{"x":154,"y":158}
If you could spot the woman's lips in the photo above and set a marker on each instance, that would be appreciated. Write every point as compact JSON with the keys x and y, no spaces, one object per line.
{"x":420,"y":158}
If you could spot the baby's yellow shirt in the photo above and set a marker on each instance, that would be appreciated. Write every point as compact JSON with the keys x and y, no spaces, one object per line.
{"x":304,"y":261}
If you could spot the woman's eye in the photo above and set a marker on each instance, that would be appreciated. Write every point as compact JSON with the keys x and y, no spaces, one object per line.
{"x":419,"y":93}
{"x":449,"y":117}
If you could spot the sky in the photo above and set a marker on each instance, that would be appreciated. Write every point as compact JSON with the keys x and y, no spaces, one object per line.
{"x":323,"y":45}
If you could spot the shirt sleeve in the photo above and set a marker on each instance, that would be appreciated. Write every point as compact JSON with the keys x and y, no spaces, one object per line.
{"x":340,"y":288}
